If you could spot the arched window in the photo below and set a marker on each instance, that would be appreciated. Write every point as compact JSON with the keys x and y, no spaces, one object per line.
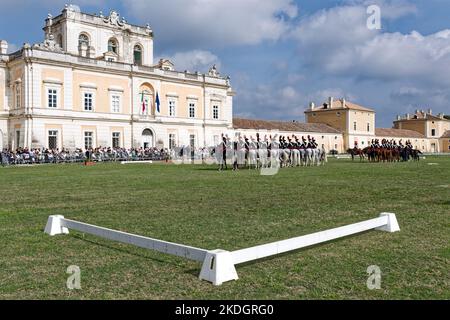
{"x":137,"y":54}
{"x":113,"y":46}
{"x":83,"y":39}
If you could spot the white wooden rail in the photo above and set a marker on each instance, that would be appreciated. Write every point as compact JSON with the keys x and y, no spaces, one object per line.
{"x":219,"y":265}
{"x":60,"y":225}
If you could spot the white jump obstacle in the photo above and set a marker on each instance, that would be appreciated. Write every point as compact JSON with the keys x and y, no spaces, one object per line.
{"x":219,"y":265}
{"x":136,"y":162}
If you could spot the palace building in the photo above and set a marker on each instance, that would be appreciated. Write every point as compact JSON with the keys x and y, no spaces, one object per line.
{"x":93,"y":82}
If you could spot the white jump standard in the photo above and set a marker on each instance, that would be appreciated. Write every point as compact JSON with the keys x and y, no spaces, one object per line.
{"x":219,"y":265}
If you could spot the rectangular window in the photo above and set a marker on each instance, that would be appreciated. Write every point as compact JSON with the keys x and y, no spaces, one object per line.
{"x":215,"y":112}
{"x":52,"y":95}
{"x":115,"y":103}
{"x":172,"y":106}
{"x":433,"y":132}
{"x":18,"y":96}
{"x":17,"y":139}
{"x":116,"y":139}
{"x":88,"y":101}
{"x":368,"y":127}
{"x":88,"y":139}
{"x":52,"y":139}
{"x":354,"y":126}
{"x":172,"y":143}
{"x":191,"y":110}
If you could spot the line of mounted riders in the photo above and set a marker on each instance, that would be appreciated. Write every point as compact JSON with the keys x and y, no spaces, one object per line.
{"x":386,"y":151}
{"x":270,"y":152}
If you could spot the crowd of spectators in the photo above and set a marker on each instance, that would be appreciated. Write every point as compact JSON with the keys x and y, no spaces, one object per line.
{"x":25,"y":156}
{"x":101,"y":154}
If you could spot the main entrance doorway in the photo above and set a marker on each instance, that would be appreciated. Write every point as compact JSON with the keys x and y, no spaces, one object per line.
{"x":147,"y":139}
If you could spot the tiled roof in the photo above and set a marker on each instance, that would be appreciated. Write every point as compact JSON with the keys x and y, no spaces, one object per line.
{"x":446,"y":134}
{"x":338,"y":104}
{"x":397,"y":133}
{"x":239,"y":123}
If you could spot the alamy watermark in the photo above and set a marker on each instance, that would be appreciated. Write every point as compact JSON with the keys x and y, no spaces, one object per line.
{"x":74,"y":280}
{"x":374,"y":19}
{"x":374,"y":280}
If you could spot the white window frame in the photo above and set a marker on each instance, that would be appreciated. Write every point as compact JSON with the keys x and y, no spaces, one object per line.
{"x":111,"y":101}
{"x":192,"y":104}
{"x":18,"y":95}
{"x":58,"y":96}
{"x":174,"y":140}
{"x":92,"y":138}
{"x":119,"y":137}
{"x":214,"y":107}
{"x":83,"y":93}
{"x":57,"y":137}
{"x":174,"y":102}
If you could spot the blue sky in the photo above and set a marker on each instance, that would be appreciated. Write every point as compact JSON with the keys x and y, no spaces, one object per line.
{"x":282,"y":54}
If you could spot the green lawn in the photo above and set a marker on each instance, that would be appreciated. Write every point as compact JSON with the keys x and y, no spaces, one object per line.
{"x":199,"y":206}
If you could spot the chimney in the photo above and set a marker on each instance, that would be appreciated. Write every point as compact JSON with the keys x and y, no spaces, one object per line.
{"x":399,"y":118}
{"x":441,"y":115}
{"x":417,"y":111}
{"x":407,"y":116}
{"x":312,"y":105}
{"x":330,"y":102}
{"x":3,"y":47}
{"x":344,"y":102}
{"x":430,"y":112}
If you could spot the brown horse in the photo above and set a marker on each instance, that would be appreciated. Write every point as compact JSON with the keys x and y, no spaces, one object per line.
{"x":356,"y":152}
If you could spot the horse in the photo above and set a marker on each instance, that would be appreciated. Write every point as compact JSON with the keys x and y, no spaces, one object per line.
{"x":356,"y":152}
{"x":285,"y":155}
{"x":252,"y":158}
{"x":262,"y":154}
{"x":416,"y":154}
{"x":309,"y":157}
{"x":295,"y":157}
{"x":320,"y":156}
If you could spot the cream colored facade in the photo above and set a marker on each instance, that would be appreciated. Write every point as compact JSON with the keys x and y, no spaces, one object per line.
{"x":93,"y":83}
{"x":433,"y":128}
{"x":357,"y":125}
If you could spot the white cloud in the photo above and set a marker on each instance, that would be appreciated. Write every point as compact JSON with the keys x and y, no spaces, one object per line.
{"x":336,"y":41}
{"x":194,"y":23}
{"x":195,"y":60}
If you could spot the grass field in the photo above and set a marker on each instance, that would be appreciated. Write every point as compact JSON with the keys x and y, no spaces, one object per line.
{"x":199,"y":206}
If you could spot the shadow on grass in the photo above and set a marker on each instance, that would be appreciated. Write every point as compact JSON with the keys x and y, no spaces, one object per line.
{"x":124,"y":251}
{"x":304,"y":249}
{"x":196,"y":272}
